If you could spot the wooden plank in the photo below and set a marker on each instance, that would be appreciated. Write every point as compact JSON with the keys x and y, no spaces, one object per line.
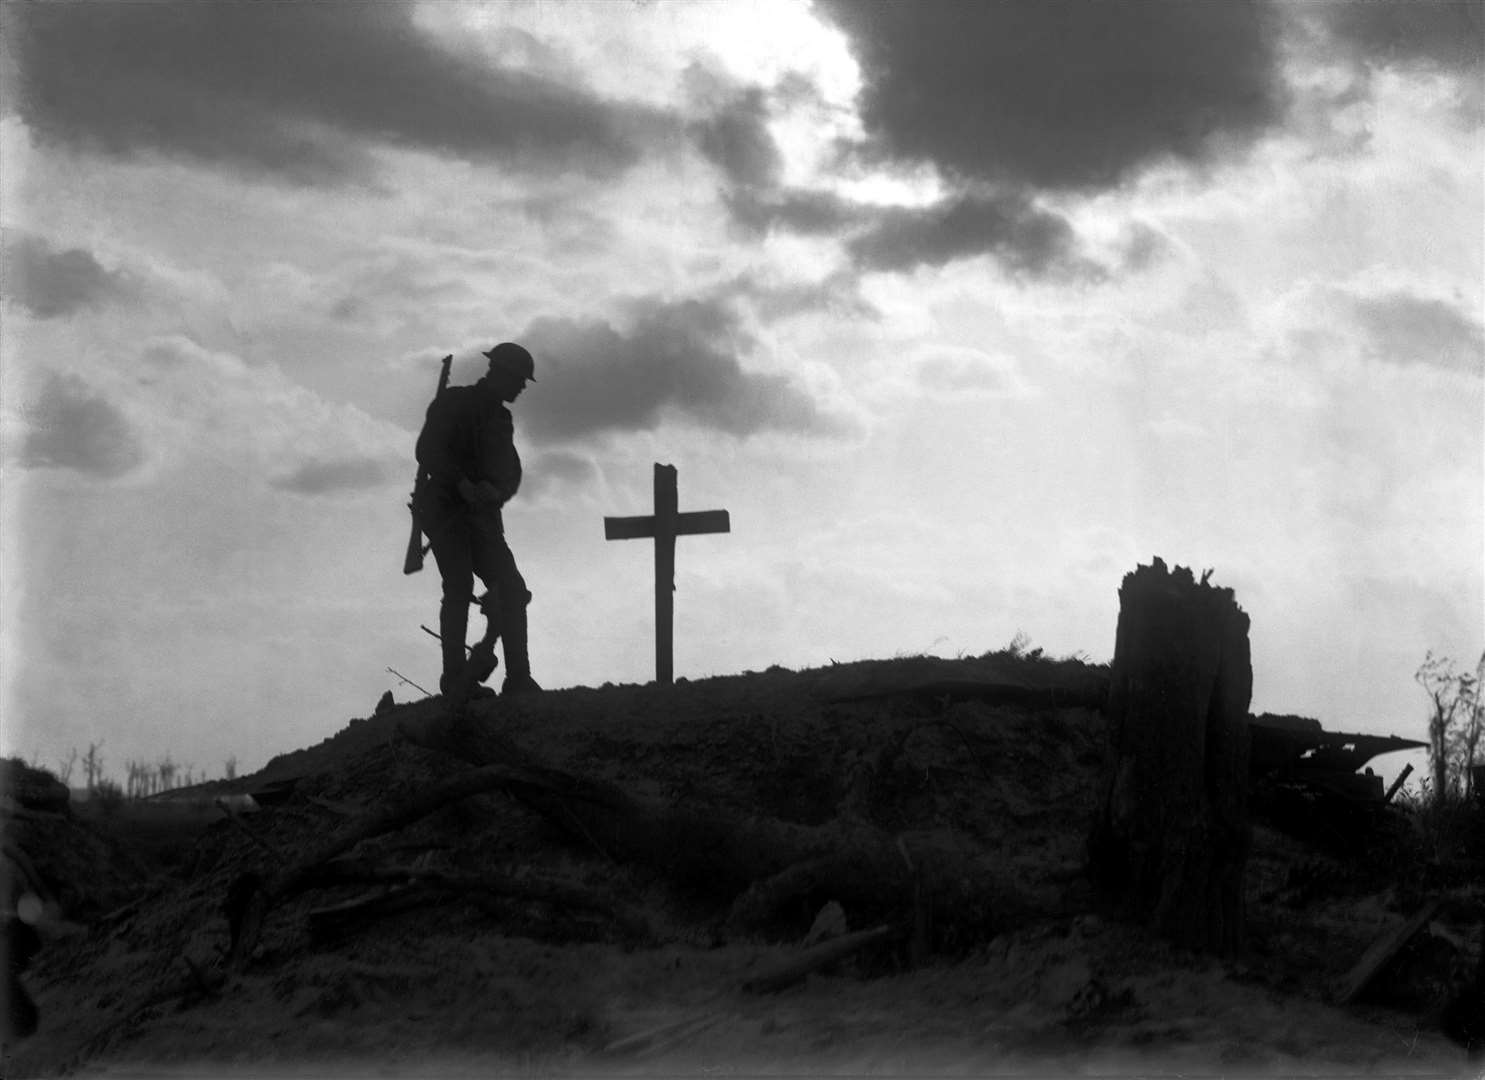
{"x":628,"y":528}
{"x":666,"y":500}
{"x":696,"y":522}
{"x":691,"y":523}
{"x":1383,"y":949}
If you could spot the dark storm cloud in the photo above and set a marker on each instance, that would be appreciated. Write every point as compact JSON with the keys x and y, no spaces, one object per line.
{"x":72,"y":427}
{"x":332,"y":477}
{"x":1056,"y":94}
{"x":50,"y":283}
{"x":1019,"y":235}
{"x":1407,"y":329}
{"x":1009,"y":227}
{"x":293,"y":89}
{"x":1446,"y":34}
{"x":735,"y":138}
{"x":812,"y":213}
{"x":673,"y":359}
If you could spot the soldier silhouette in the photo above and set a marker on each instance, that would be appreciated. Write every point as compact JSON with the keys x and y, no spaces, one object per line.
{"x":468,"y":452}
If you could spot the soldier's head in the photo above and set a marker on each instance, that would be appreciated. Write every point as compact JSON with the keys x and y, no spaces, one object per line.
{"x":511,"y":368}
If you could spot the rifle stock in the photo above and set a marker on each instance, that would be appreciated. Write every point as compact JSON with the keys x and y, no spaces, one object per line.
{"x":412,"y":562}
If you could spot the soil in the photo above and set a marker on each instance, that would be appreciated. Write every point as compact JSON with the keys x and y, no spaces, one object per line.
{"x":135,"y":980}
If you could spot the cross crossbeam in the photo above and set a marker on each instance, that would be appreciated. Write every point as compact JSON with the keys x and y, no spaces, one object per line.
{"x":665,"y":524}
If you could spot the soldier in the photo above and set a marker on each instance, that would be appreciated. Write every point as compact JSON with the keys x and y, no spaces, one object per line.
{"x":466,"y":448}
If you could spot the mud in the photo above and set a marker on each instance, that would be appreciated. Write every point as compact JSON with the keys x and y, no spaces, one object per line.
{"x":470,"y":985}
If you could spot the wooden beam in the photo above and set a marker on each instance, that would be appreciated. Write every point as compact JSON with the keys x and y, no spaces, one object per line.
{"x":666,"y":500}
{"x":1383,"y":949}
{"x":691,"y":523}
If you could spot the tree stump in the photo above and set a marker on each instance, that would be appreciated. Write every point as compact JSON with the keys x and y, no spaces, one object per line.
{"x":1170,"y":843}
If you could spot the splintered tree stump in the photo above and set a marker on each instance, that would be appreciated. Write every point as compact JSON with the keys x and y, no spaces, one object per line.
{"x":1170,"y":843}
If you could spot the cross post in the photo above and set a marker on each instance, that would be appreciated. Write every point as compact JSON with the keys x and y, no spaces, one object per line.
{"x":665,"y":525}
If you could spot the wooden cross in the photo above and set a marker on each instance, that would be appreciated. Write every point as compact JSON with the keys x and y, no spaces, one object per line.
{"x":665,"y":525}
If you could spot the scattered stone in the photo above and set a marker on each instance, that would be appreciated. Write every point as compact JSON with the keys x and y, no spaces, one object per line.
{"x":829,"y":923}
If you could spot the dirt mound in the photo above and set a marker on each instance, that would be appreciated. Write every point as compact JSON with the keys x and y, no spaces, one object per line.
{"x":484,"y":935}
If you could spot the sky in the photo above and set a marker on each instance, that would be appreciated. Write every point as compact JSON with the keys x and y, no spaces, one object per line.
{"x":962,"y":312}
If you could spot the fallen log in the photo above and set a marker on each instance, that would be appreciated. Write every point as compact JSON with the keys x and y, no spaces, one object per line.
{"x":795,"y":968}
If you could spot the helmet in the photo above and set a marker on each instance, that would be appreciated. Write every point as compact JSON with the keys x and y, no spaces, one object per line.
{"x":510,"y":357}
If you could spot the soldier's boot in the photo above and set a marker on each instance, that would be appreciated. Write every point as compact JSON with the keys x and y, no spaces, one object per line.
{"x":518,"y":678}
{"x":453,"y":622}
{"x":462,"y":677}
{"x":482,"y":662}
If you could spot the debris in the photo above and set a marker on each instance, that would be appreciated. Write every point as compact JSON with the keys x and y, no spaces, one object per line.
{"x":1383,"y":949}
{"x":795,"y":968}
{"x":829,"y":923}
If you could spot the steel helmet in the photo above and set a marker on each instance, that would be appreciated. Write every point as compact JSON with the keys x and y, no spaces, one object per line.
{"x":510,"y":357}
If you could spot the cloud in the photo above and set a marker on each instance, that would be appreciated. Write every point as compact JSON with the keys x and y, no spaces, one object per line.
{"x":957,"y":372}
{"x":1061,"y":95}
{"x":1379,"y":317}
{"x":73,"y":427}
{"x":1404,"y":328}
{"x":1008,"y":227}
{"x":50,"y":283}
{"x":553,"y":470}
{"x":796,"y":210}
{"x":1017,"y":233}
{"x":298,"y":91}
{"x":673,"y":359}
{"x":329,"y":477}
{"x":736,"y":140}
{"x":1444,"y":35}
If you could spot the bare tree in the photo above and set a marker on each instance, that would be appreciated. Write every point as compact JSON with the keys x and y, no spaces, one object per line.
{"x":65,"y":767}
{"x":229,"y":768}
{"x":1454,"y":723}
{"x":166,"y":770}
{"x":92,"y":764}
{"x":1465,"y":750}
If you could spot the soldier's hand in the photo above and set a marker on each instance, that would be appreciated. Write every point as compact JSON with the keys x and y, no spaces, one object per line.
{"x":482,"y":494}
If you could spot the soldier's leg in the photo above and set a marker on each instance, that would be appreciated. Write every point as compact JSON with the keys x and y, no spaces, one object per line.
{"x":505,"y":604}
{"x":514,"y":599}
{"x":489,"y":540}
{"x":453,"y":551}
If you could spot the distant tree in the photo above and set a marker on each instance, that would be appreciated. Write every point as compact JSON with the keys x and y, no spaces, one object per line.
{"x":92,"y":764}
{"x":65,"y":767}
{"x":1456,"y":723}
{"x":167,"y":773}
{"x":229,"y":768}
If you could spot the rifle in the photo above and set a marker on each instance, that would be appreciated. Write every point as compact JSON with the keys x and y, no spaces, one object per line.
{"x":412,"y":562}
